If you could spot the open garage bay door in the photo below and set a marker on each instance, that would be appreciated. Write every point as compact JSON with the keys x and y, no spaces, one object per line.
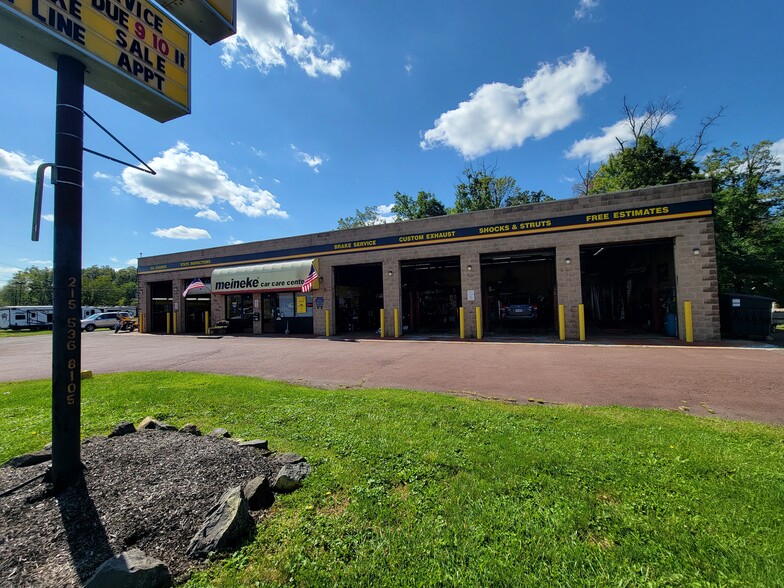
{"x":518,"y":291}
{"x":359,"y":298}
{"x":431,"y":295}
{"x":629,"y":288}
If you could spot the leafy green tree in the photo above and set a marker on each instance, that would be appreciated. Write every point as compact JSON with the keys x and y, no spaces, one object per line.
{"x":101,"y":286}
{"x":645,"y":163}
{"x":362,"y":218}
{"x":425,"y":206}
{"x":748,"y":193}
{"x":527,"y":197}
{"x":482,"y":189}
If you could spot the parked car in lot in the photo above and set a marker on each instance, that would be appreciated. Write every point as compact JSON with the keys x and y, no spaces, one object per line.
{"x":520,"y":306}
{"x":102,"y":320}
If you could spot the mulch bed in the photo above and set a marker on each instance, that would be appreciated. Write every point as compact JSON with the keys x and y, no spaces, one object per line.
{"x":150,"y":490}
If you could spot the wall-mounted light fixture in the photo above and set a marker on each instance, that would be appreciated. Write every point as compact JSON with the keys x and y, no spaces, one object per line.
{"x":568,"y":260}
{"x":389,"y":273}
{"x":468,"y":267}
{"x":696,"y":251}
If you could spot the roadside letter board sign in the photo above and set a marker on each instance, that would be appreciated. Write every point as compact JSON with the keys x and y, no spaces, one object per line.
{"x":133,"y":52}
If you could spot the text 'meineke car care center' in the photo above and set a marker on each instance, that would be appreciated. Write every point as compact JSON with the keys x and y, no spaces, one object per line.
{"x":626,"y":262}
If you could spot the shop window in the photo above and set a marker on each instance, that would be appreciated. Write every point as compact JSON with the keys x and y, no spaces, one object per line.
{"x":239,"y":306}
{"x":286,"y":305}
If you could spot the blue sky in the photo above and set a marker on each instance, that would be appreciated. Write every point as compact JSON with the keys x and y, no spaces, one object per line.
{"x":315,"y":109}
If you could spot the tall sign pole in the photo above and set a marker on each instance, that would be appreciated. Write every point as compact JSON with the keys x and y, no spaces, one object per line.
{"x":66,"y":326}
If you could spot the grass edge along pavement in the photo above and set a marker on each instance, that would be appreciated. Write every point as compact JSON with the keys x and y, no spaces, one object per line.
{"x":412,"y":488}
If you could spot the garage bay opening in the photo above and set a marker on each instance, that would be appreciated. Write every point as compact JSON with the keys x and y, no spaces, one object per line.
{"x":359,"y":298}
{"x":518,"y":290}
{"x":431,"y":296}
{"x":629,"y":288}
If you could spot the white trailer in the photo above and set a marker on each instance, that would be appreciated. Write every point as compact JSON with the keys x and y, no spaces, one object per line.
{"x":34,"y":318}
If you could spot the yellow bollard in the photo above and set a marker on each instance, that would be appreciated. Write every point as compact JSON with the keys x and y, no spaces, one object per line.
{"x":478,"y":323}
{"x":462,"y":323}
{"x":581,"y":317}
{"x":561,"y":323}
{"x":141,"y":322}
{"x":174,"y":324}
{"x":687,"y":318}
{"x":382,"y":330}
{"x":397,"y":323}
{"x":168,"y":323}
{"x":206,"y":322}
{"x":327,"y":325}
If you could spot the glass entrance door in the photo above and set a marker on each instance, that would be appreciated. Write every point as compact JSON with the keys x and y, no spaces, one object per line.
{"x":269,"y":311}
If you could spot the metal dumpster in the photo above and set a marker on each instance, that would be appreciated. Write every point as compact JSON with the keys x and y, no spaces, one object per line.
{"x":745,"y":315}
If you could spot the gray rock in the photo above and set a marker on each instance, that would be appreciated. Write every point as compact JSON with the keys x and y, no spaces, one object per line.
{"x":290,"y":476}
{"x":258,"y":493}
{"x":256,"y":443}
{"x":219,"y":432}
{"x":149,"y":424}
{"x":191,"y":429}
{"x":28,"y":459}
{"x":123,"y":428}
{"x":131,"y":569}
{"x":285,"y":458}
{"x":226,"y":524}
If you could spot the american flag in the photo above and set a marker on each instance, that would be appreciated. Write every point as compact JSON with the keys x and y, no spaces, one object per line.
{"x":197,"y":283}
{"x":307,"y":286}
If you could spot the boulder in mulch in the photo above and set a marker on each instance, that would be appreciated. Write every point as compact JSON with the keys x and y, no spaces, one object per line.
{"x":123,"y":428}
{"x":131,"y":569}
{"x":151,"y":424}
{"x":256,"y":444}
{"x":190,"y":429}
{"x":259,"y":493}
{"x":227,"y":523}
{"x":290,"y":476}
{"x":28,"y":459}
{"x":220,"y":432}
{"x":285,"y":458}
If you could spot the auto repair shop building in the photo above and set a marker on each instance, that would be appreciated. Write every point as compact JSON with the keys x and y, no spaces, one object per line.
{"x":631,"y":259}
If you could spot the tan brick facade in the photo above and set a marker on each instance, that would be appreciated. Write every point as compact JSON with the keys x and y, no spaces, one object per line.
{"x":594,"y":223}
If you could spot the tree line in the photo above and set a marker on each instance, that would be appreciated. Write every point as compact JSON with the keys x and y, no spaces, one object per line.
{"x":101,"y":286}
{"x":748,"y":193}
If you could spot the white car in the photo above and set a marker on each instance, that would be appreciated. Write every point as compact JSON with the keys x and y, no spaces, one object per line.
{"x":101,"y":320}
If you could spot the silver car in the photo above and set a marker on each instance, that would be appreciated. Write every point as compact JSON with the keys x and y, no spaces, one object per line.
{"x":102,"y":320}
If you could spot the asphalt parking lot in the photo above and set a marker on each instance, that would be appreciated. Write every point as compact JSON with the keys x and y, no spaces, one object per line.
{"x":734,"y":381}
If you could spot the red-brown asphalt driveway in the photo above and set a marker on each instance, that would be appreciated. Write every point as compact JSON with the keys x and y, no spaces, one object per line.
{"x":732,"y":382}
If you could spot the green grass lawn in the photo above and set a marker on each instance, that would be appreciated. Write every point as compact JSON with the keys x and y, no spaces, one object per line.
{"x":9,"y":333}
{"x":420,"y":489}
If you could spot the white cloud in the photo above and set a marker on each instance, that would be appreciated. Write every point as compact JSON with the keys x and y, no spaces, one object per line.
{"x":113,"y":259}
{"x":18,"y":166}
{"x":233,"y":241}
{"x":213,"y":216}
{"x":36,"y":262}
{"x":266,"y":36}
{"x":132,"y":262}
{"x":181,"y":232}
{"x":102,"y":176}
{"x":48,"y":217}
{"x":777,"y":150}
{"x":409,"y":66}
{"x":385,"y":214}
{"x":499,"y":116}
{"x":584,"y":8}
{"x":188,"y":178}
{"x":312,"y":161}
{"x":597,"y":149}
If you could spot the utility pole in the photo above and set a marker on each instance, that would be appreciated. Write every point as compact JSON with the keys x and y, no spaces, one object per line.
{"x":67,"y":295}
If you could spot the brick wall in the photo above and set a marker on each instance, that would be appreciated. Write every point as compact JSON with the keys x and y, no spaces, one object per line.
{"x":693,"y":252}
